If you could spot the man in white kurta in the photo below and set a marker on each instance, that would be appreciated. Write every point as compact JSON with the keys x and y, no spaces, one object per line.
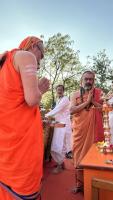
{"x":61,"y":142}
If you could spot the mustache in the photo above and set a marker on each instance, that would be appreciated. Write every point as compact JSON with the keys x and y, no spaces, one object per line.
{"x":88,"y":84}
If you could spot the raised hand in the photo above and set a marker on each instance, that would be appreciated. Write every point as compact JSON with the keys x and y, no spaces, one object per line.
{"x":90,"y":96}
{"x":43,"y":85}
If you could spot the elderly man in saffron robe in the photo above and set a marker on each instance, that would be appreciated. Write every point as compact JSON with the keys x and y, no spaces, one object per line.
{"x":21,"y":136}
{"x":87,"y":123}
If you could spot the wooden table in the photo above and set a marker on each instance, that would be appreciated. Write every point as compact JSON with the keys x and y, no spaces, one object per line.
{"x":98,"y":176}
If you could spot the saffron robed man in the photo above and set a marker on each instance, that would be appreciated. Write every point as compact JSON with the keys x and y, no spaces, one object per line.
{"x":21,"y":137}
{"x":87,"y":125}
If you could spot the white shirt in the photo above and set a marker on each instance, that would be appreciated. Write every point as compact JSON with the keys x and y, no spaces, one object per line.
{"x":61,"y":111}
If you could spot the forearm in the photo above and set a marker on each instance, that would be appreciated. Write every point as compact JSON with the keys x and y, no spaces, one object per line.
{"x":49,"y":114}
{"x":56,"y":110}
{"x":59,"y":107}
{"x":96,"y":104}
{"x":75,"y":109}
{"x":33,"y":99}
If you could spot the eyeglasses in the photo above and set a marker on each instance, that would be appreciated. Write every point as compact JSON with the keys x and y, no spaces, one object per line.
{"x":42,"y":54}
{"x":90,"y":79}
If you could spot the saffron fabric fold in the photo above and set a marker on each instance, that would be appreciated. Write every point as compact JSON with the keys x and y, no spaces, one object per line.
{"x":87,"y":128}
{"x":21,"y":137}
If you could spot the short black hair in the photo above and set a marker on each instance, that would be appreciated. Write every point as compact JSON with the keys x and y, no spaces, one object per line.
{"x":60,"y":86}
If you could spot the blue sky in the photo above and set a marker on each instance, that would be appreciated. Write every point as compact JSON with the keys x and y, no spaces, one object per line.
{"x":88,"y":22}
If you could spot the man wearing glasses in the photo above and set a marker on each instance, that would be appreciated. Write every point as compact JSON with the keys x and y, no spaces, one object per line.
{"x":21,"y":138}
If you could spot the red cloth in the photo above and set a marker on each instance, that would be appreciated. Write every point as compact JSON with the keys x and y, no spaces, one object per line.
{"x":99,"y":131}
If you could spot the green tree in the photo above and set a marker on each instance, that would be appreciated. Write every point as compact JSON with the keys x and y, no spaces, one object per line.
{"x":47,"y":100}
{"x":101,"y":65}
{"x":61,"y":63}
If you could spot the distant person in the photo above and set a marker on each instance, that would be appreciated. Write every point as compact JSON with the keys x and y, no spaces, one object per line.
{"x":61,"y":142}
{"x":21,"y":138}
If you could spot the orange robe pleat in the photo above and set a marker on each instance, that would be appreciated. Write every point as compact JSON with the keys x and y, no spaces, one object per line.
{"x":21,"y":136}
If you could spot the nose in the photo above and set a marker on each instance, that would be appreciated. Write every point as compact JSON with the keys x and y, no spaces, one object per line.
{"x":38,"y":65}
{"x":38,"y":68}
{"x":88,"y":81}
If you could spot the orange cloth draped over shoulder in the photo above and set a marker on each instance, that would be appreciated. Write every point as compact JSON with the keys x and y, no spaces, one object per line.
{"x":21,"y":138}
{"x":87,"y":128}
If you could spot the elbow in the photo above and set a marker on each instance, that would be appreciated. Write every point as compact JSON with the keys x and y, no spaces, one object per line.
{"x":33,"y":100}
{"x":32,"y":103}
{"x":71,"y":110}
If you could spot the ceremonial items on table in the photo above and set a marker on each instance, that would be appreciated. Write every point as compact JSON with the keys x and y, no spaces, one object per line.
{"x":106,"y":146}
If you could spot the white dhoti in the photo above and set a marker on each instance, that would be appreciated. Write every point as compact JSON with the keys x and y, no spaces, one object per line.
{"x":61,"y":142}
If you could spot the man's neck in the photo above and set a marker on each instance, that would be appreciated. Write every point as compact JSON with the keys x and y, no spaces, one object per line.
{"x":87,"y":91}
{"x":60,"y":97}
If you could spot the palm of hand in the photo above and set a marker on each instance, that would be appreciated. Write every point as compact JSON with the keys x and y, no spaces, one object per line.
{"x":43,"y":85}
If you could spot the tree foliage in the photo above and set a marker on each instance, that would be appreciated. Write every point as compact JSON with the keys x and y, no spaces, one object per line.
{"x":61,"y":62}
{"x":101,"y":65}
{"x":62,"y":66}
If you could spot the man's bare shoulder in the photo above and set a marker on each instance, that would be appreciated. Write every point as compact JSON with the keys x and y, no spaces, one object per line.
{"x":24,"y":58}
{"x":24,"y":54}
